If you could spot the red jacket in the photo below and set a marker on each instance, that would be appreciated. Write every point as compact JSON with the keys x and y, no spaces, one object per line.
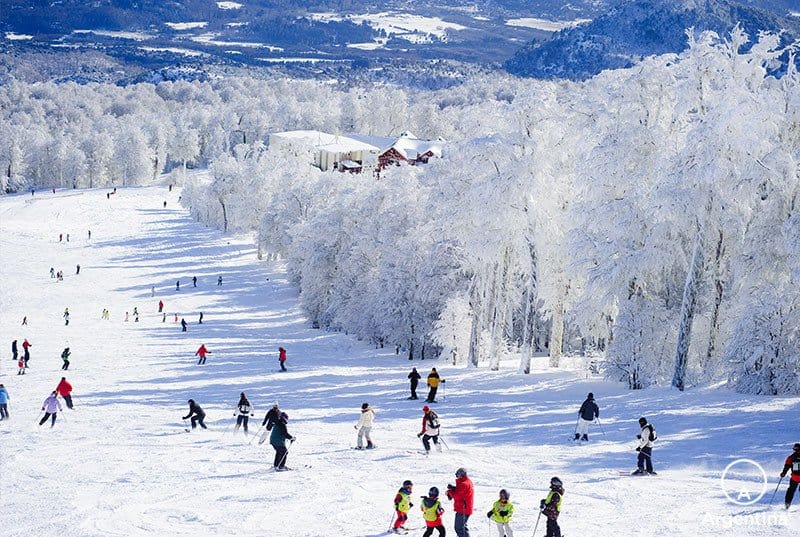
{"x":282,"y":354}
{"x":202,"y":351}
{"x":64,"y":388}
{"x":25,"y":344}
{"x":462,"y":495}
{"x":789,"y":467}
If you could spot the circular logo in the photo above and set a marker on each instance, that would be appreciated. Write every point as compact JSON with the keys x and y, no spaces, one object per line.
{"x":744,"y":482}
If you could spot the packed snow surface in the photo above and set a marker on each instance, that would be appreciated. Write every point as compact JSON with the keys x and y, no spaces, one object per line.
{"x":121,"y":463}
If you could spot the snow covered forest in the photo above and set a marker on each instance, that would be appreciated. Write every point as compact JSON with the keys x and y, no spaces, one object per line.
{"x":646,"y":217}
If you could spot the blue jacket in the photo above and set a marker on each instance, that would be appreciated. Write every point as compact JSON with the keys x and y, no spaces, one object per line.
{"x":4,"y":397}
{"x":589,"y":410}
{"x":279,"y":434}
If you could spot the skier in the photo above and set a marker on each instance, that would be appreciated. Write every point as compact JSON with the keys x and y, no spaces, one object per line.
{"x":64,"y":389}
{"x":135,"y":314}
{"x":60,"y":237}
{"x":219,"y":280}
{"x":26,"y":353}
{"x":430,"y":429}
{"x":21,"y":365}
{"x":433,"y":384}
{"x":278,"y":440}
{"x":90,"y":234}
{"x":165,"y":204}
{"x":414,"y":377}
{"x":269,"y":420}
{"x":402,"y":505}
{"x":65,"y":356}
{"x":66,"y":316}
{"x":67,"y":237}
{"x":24,"y":320}
{"x":200,"y":321}
{"x":587,"y":414}
{"x":164,"y":317}
{"x":365,"y":426}
{"x":462,"y":494}
{"x":432,"y":513}
{"x":197,"y":414}
{"x":105,"y":315}
{"x":282,"y":358}
{"x":243,"y":413}
{"x":126,"y":316}
{"x":183,"y":325}
{"x":152,"y":291}
{"x":501,"y":513}
{"x":77,"y":269}
{"x":201,"y":352}
{"x":178,"y":285}
{"x":52,"y":272}
{"x":160,"y":306}
{"x":4,"y":397}
{"x":645,"y":448}
{"x":551,"y":507}
{"x":50,"y":407}
{"x":14,"y":350}
{"x":792,"y":463}
{"x":194,"y":281}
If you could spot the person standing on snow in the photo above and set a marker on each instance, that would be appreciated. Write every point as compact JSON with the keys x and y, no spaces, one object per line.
{"x":414,"y":377}
{"x":160,"y":306}
{"x":365,"y":426}
{"x":26,"y":353}
{"x":219,"y":280}
{"x":178,"y":285}
{"x":501,"y":513}
{"x":432,"y":512}
{"x":551,"y":507}
{"x":65,"y":357}
{"x":644,"y":465}
{"x":282,"y":358}
{"x":196,"y":413}
{"x":66,"y":316}
{"x":183,"y":325}
{"x":50,"y":407}
{"x":4,"y":397}
{"x":792,"y":463}
{"x":280,"y":434}
{"x":430,"y":429}
{"x":21,"y":365}
{"x":201,"y":352}
{"x":243,"y":413}
{"x":402,"y":505}
{"x":14,"y":350}
{"x":269,"y":420}
{"x":194,"y":281}
{"x":587,"y":414}
{"x":462,"y":494}
{"x":64,"y":389}
{"x":433,"y":384}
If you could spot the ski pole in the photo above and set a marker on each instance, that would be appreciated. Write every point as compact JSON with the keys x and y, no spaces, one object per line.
{"x":185,"y":425}
{"x":601,"y":427}
{"x":776,"y":491}
{"x":576,"y":423}
{"x":443,"y":442}
{"x":286,"y":454}
{"x":537,"y":523}
{"x":391,"y":522}
{"x":256,"y":433}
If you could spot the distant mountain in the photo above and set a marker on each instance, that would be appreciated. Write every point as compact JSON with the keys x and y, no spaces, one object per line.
{"x":639,"y":28}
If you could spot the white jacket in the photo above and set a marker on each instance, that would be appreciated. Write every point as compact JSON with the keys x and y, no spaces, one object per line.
{"x":367,"y":417}
{"x":644,"y":440}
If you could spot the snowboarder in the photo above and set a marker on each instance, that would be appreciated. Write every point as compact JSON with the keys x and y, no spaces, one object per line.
{"x":160,"y":306}
{"x":792,"y":464}
{"x":65,"y":356}
{"x":66,"y":316}
{"x":433,"y":384}
{"x":430,"y":429}
{"x":278,"y":439}
{"x":50,"y":407}
{"x":183,"y":325}
{"x":219,"y":280}
{"x":551,"y":507}
{"x":462,"y":494}
{"x":194,"y":281}
{"x":402,"y":505}
{"x":414,"y":377}
{"x":282,"y":358}
{"x":365,"y":426}
{"x":197,"y":414}
{"x":26,"y":352}
{"x":501,"y":513}
{"x":201,"y":352}
{"x":243,"y":413}
{"x":14,"y":350}
{"x":645,"y":448}
{"x":64,"y":389}
{"x":587,"y":414}
{"x":432,"y":513}
{"x":77,"y":269}
{"x":4,"y":397}
{"x":200,"y":321}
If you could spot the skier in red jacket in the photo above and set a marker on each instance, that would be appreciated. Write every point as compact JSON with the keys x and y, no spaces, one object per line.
{"x":64,"y":389}
{"x":282,"y":358}
{"x":201,"y":352}
{"x":792,"y":465}
{"x":462,"y":495}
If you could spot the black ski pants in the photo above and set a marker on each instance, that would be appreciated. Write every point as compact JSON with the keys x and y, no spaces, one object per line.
{"x":68,"y":400}
{"x":429,"y":531}
{"x":645,"y":461}
{"x":414,"y":388}
{"x":3,"y":411}
{"x":281,"y":454}
{"x":242,"y":419}
{"x":432,"y":394}
{"x":552,"y":528}
{"x":47,"y":415}
{"x":198,"y":419}
{"x":789,"y":492}
{"x":65,"y":366}
{"x":426,"y":438}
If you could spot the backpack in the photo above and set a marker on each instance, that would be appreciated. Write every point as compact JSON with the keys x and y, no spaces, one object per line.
{"x":433,"y":420}
{"x":653,"y":436}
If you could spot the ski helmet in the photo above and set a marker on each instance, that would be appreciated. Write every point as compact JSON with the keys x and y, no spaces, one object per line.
{"x":556,"y":482}
{"x":642,"y":421}
{"x":504,"y":494}
{"x":426,"y":408}
{"x":461,"y":472}
{"x":796,"y":447}
{"x":590,"y":396}
{"x":364,"y":406}
{"x":407,"y":483}
{"x":433,"y":492}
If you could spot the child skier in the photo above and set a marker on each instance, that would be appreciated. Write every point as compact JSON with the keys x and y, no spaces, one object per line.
{"x":365,"y":426}
{"x":402,"y":505}
{"x":4,"y":397}
{"x":647,"y":436}
{"x":243,"y":413}
{"x":282,"y":358}
{"x":21,"y":365}
{"x":197,"y":414}
{"x":551,"y":507}
{"x":432,"y":513}
{"x":501,"y":513}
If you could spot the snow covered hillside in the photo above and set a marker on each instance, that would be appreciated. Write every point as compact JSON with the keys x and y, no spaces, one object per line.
{"x":121,"y":463}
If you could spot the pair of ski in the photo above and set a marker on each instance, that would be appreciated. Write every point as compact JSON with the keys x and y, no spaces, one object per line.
{"x":622,"y":473}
